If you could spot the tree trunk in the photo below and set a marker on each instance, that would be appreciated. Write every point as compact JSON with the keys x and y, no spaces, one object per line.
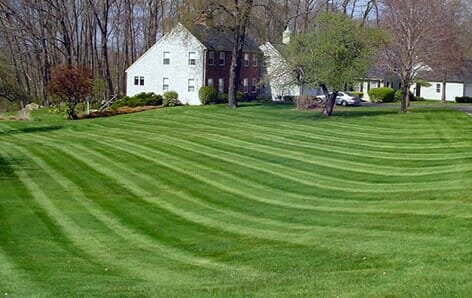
{"x":405,"y":98}
{"x":330,"y":101}
{"x":443,"y":93}
{"x":237,"y":53}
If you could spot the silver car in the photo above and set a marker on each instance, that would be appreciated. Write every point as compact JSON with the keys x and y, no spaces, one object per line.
{"x":347,"y":99}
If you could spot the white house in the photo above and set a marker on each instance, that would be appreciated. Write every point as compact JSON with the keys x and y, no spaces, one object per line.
{"x":280,"y":77}
{"x":456,"y":85}
{"x":175,"y":62}
{"x":185,"y":60}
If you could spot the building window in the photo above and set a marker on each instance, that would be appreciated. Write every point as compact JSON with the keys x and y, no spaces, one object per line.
{"x":254,"y":60}
{"x":246,"y":85}
{"x":136,"y":80}
{"x":221,"y":85}
{"x":192,"y":58}
{"x":254,"y":85}
{"x":246,"y":59}
{"x":165,"y":84}
{"x":166,"y":60}
{"x":141,"y":81}
{"x":191,"y":85}
{"x":438,"y":88}
{"x":222,"y":58}
{"x":211,"y":58}
{"x":210,"y":83}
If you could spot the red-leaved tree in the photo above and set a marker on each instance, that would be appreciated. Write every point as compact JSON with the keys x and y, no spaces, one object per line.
{"x":70,"y":84}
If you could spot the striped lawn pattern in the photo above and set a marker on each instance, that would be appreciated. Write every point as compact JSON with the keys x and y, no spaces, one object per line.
{"x":259,"y":201}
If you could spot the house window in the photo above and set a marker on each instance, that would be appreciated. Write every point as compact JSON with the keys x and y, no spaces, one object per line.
{"x":221,"y":85}
{"x":136,"y":80}
{"x":141,"y":81}
{"x":246,"y":85}
{"x":438,"y":88}
{"x":192,"y":58}
{"x":191,"y":85}
{"x":166,"y":60}
{"x":211,"y":58}
{"x":246,"y":59}
{"x":254,"y":60}
{"x":254,"y":85}
{"x":210,"y":83}
{"x":222,"y":58}
{"x":165,"y":84}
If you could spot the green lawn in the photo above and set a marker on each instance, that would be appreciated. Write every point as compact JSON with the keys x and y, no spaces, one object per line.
{"x":258,"y":201}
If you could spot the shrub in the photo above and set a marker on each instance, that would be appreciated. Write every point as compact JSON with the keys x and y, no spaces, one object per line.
{"x":399,"y":96}
{"x":208,"y":95}
{"x":382,"y":94}
{"x":358,"y":94}
{"x":170,"y":99}
{"x":464,"y":99}
{"x":140,"y":99}
{"x":307,"y":102}
{"x":222,"y":98}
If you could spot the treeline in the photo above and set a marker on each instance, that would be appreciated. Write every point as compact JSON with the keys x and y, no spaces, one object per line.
{"x":109,"y":35}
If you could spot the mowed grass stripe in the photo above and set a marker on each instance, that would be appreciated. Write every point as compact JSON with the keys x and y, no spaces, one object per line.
{"x":373,"y":157}
{"x":130,"y":235}
{"x":272,"y":198}
{"x":306,"y":238}
{"x":15,"y":282}
{"x":106,"y":251}
{"x":444,"y":209}
{"x":366,"y":210}
{"x":314,"y":132}
{"x":307,"y":178}
{"x":210,"y":143}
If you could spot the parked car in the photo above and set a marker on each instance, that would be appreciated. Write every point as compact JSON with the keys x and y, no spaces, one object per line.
{"x":347,"y":99}
{"x":344,"y":98}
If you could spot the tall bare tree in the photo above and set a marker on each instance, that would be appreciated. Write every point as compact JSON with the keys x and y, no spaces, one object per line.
{"x":418,"y":31}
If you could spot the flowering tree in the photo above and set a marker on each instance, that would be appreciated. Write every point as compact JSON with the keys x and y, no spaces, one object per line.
{"x":71,"y":84}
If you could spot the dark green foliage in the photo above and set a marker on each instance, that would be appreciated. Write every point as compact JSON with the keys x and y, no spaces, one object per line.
{"x":141,"y":99}
{"x":357,"y":93}
{"x":382,"y":94}
{"x":464,"y":99}
{"x":208,"y":95}
{"x":170,"y":99}
{"x":399,"y":96}
{"x":222,"y":98}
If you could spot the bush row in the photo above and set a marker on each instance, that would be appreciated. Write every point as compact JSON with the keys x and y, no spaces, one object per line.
{"x":464,"y":99}
{"x":209,"y":95}
{"x":385,"y":94}
{"x":170,"y":98}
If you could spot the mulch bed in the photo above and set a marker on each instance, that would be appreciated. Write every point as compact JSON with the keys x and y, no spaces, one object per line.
{"x":119,"y":111}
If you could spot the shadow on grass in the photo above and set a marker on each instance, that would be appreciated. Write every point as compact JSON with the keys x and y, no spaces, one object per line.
{"x":31,"y":129}
{"x":6,"y":170}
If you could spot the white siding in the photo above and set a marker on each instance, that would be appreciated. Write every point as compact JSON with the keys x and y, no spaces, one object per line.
{"x":279,"y":78}
{"x":452,"y":90}
{"x":179,"y":43}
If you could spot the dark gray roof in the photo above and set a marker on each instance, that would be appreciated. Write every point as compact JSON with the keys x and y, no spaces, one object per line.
{"x":220,"y":39}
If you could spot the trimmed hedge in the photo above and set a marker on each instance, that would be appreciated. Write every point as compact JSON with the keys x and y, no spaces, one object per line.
{"x":464,"y":99}
{"x":357,"y":93}
{"x":382,"y":94}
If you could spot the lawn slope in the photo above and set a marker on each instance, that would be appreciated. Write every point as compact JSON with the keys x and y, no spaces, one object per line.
{"x":262,"y":200}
